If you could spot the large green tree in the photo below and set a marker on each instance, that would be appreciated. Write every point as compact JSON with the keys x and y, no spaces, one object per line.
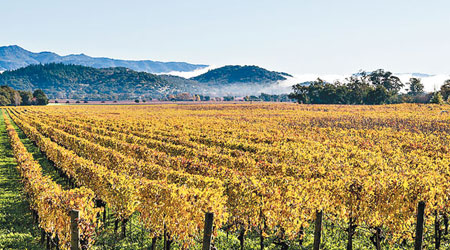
{"x":27,"y":97}
{"x":445,"y":89}
{"x":386,"y":79}
{"x":377,"y":95}
{"x":437,"y":98}
{"x":4,"y":101}
{"x":300,"y":93}
{"x":40,"y":97}
{"x":358,"y":88}
{"x":415,"y":86}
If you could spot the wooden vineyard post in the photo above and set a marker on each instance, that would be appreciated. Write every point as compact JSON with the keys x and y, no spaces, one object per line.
{"x":104,"y":215}
{"x":351,"y":232}
{"x":445,"y":224}
{"x":74,"y":231}
{"x":419,"y":226}
{"x":48,"y":241}
{"x":378,"y":238}
{"x":153,"y":246}
{"x":318,"y":230}
{"x":241,"y":238}
{"x":42,"y":236}
{"x":437,"y":231}
{"x":209,"y":218}
{"x":124,"y":228}
{"x":164,"y":238}
{"x":57,"y":242}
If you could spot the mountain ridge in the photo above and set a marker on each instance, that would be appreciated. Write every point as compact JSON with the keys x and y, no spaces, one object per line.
{"x":14,"y":57}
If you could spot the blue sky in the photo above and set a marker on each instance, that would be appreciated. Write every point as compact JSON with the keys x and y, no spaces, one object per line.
{"x":303,"y":36}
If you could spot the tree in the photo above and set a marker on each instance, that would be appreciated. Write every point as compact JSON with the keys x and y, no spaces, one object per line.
{"x":358,"y":88}
{"x":445,"y":89}
{"x":228,"y":98}
{"x":136,"y":101}
{"x":377,"y":95}
{"x":4,"y":101}
{"x":415,"y":86}
{"x":183,"y":97}
{"x":321,"y":92}
{"x":41,"y":98}
{"x":10,"y":96}
{"x":300,"y":93}
{"x":385,"y":79}
{"x":437,"y":98}
{"x":17,"y":100}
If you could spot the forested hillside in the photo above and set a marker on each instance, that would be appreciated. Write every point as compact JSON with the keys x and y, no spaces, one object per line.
{"x":74,"y":81}
{"x":60,"y":81}
{"x":240,"y":74}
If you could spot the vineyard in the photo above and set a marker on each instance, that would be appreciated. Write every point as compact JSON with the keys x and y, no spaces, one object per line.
{"x":272,"y":176}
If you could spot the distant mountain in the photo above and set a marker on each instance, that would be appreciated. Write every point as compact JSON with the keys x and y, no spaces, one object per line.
{"x":417,"y":75}
{"x":14,"y":57}
{"x":420,"y":75}
{"x":240,"y":74}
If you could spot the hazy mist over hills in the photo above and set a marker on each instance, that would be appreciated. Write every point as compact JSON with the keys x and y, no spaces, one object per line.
{"x":171,"y":77}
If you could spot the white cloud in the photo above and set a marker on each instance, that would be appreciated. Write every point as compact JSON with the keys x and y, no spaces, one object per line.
{"x":190,"y":74}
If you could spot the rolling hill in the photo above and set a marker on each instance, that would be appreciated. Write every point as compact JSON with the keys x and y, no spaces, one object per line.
{"x":81,"y":82}
{"x":240,"y":74}
{"x":61,"y":81}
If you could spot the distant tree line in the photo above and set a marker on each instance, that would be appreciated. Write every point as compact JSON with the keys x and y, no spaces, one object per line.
{"x":198,"y":97}
{"x":268,"y":98}
{"x":11,"y":97}
{"x":185,"y":97}
{"x":377,"y":87}
{"x":263,"y":97}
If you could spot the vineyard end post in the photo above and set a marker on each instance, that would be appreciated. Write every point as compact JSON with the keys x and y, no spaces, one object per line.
{"x":419,"y":226}
{"x":209,"y":217}
{"x":74,"y":230}
{"x":318,"y":230}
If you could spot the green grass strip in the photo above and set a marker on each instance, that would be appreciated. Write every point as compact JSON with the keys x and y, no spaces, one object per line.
{"x":16,"y":228}
{"x":47,"y":166}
